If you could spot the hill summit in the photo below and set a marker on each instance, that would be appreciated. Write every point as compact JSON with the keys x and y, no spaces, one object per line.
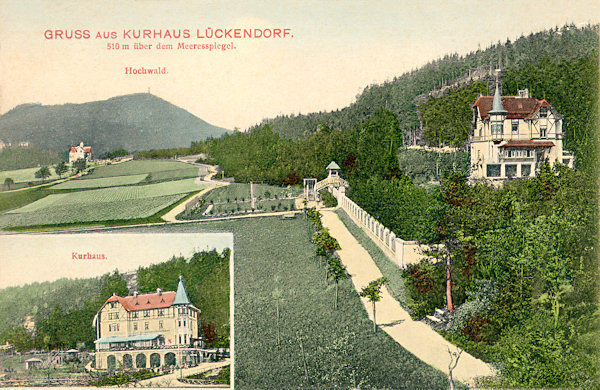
{"x":134,"y":122}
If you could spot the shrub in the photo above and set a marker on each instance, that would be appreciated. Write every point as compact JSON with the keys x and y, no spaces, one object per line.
{"x":328,"y":199}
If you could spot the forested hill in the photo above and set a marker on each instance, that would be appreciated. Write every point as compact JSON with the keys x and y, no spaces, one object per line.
{"x":132,"y":122}
{"x":568,"y":43}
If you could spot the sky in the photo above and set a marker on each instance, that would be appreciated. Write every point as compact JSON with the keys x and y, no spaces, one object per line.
{"x":47,"y":257}
{"x":332,"y":51}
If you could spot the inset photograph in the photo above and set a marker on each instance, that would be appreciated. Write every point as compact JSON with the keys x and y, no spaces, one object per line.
{"x":92,"y":309}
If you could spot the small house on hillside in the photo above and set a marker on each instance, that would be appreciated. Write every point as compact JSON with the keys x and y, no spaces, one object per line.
{"x":512,"y":136}
{"x":33,"y":363}
{"x":80,"y":152}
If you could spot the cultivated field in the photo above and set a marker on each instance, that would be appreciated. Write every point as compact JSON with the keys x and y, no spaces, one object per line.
{"x":116,"y":203}
{"x":159,"y":170}
{"x":100,"y":182}
{"x":287,"y":333}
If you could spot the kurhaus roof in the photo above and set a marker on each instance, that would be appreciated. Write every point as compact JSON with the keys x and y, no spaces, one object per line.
{"x":145,"y":301}
{"x":517,"y":107}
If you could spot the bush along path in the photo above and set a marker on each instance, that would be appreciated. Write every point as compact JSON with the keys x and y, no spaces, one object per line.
{"x":417,"y":337}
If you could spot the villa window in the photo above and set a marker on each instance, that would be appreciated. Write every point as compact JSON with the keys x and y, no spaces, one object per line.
{"x":147,"y":313}
{"x":160,"y":324}
{"x":493,"y":170}
{"x":510,"y":170}
{"x":543,"y":112}
{"x":525,"y":170}
{"x":161,"y":313}
{"x":543,"y":131}
{"x":515,"y":125}
{"x":146,"y":325}
{"x":135,"y":326}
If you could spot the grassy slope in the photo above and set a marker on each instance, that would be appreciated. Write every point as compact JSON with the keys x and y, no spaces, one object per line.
{"x":273,"y":258}
{"x":13,"y":200}
{"x":27,"y":175}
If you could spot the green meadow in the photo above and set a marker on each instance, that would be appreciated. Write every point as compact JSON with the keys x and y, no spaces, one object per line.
{"x":287,"y":332}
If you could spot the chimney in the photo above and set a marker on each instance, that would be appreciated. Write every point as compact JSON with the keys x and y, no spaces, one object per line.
{"x":159,"y":291}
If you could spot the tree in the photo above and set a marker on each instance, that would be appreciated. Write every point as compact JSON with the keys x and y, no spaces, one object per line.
{"x":8,"y":182}
{"x":373,"y":292}
{"x":17,"y":336}
{"x":43,"y":173}
{"x":454,"y":357}
{"x":79,"y":165}
{"x":117,"y":153}
{"x":338,"y":271}
{"x":61,"y":169}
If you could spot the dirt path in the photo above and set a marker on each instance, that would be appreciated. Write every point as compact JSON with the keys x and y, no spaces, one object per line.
{"x":415,"y":336}
{"x":207,"y":182}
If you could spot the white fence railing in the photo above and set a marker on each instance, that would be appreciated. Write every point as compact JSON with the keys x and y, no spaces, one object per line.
{"x":396,"y":249}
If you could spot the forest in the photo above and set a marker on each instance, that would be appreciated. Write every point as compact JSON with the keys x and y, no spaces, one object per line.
{"x":568,"y":43}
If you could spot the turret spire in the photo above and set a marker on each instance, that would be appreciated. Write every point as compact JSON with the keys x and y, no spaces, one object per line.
{"x":181,"y":297}
{"x":497,"y":107}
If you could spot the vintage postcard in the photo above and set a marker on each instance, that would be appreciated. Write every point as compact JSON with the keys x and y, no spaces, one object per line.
{"x":303,"y":195}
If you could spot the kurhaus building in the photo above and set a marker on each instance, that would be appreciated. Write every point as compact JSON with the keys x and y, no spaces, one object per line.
{"x":512,"y":136}
{"x":160,"y":329}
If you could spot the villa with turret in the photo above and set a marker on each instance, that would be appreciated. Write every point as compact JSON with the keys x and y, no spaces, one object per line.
{"x":512,"y":136}
{"x":159,"y":329}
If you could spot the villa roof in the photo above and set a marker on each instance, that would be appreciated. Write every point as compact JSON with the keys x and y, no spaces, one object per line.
{"x":527,"y":144}
{"x":516,"y":107}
